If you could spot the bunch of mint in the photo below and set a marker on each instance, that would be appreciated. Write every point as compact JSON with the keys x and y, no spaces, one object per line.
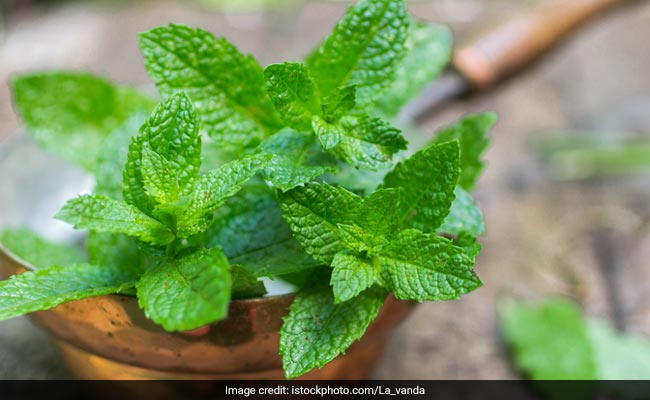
{"x":242,"y":173}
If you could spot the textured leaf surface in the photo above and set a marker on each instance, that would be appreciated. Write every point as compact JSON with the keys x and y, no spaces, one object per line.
{"x":252,"y":233}
{"x":379,"y":214}
{"x":427,"y":181}
{"x":471,"y":133}
{"x":339,"y":103}
{"x":428,"y":50}
{"x":213,"y":188}
{"x":417,"y":266}
{"x":464,"y":216}
{"x":313,"y":212}
{"x":352,"y":275}
{"x":297,"y":159}
{"x":363,"y":141}
{"x":187,"y":293}
{"x":294,"y":93}
{"x":99,"y":213}
{"x":226,"y":86}
{"x":549,"y":340}
{"x":364,"y":49}
{"x":49,"y":287}
{"x":168,"y":140}
{"x":317,"y":330}
{"x":38,"y":252}
{"x":71,"y":114}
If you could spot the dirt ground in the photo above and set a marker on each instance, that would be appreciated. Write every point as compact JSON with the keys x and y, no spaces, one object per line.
{"x":586,"y":239}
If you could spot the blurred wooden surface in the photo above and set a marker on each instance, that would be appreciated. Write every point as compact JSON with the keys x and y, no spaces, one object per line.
{"x":544,"y":236}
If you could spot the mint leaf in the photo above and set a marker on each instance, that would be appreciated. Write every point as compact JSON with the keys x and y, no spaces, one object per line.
{"x":427,"y":181}
{"x":618,"y":356}
{"x":252,"y":233}
{"x":328,"y":134}
{"x":378,"y":214}
{"x":37,"y":252}
{"x":114,"y":250}
{"x":296,"y":159}
{"x":55,"y":285}
{"x":364,"y":49}
{"x":352,"y":275}
{"x":313,"y":213}
{"x":70,"y":114}
{"x":226,"y":86}
{"x":549,"y":340}
{"x":552,"y":339}
{"x":363,"y":141}
{"x":245,"y":285}
{"x":187,"y":293}
{"x":316,"y":330}
{"x":212,"y":189}
{"x":293,"y":92}
{"x":172,"y":135}
{"x":99,"y":213}
{"x":113,"y":155}
{"x":471,"y":133}
{"x":464,"y":216}
{"x":339,"y":103}
{"x":428,"y":51}
{"x":418,"y":266}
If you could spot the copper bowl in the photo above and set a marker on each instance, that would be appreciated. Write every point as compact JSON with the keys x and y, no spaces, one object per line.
{"x":109,"y":337}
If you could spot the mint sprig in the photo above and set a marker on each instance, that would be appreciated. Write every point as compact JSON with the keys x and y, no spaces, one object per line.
{"x":230,"y":179}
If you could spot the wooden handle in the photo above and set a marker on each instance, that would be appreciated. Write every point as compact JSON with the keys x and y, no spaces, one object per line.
{"x":518,"y":42}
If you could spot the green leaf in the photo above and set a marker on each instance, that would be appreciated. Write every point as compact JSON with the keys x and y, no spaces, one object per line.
{"x":363,"y":141}
{"x":352,"y":275}
{"x":297,"y":159}
{"x":187,"y":293}
{"x":418,"y":266}
{"x":427,"y":180}
{"x":464,"y":216}
{"x":99,"y":213}
{"x":212,"y":189}
{"x":38,"y":252}
{"x":364,"y":49}
{"x":114,"y":250}
{"x":172,"y":135}
{"x":379,"y":214}
{"x":471,"y":133}
{"x":49,"y":287}
{"x":428,"y":51}
{"x":245,"y":285}
{"x":618,"y":356}
{"x":71,"y":114}
{"x":549,"y":340}
{"x":339,"y":103}
{"x":317,"y":330}
{"x":552,"y":339}
{"x":329,"y":135}
{"x":294,"y":93}
{"x":113,"y":155}
{"x":226,"y":86}
{"x":252,"y":233}
{"x":313,"y":212}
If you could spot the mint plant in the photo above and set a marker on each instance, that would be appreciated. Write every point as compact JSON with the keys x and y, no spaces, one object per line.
{"x":292,"y":172}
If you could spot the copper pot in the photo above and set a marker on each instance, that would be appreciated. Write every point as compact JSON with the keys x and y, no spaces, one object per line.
{"x":109,"y":337}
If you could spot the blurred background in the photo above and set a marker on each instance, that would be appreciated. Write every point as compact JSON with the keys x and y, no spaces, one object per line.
{"x":565,"y":195}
